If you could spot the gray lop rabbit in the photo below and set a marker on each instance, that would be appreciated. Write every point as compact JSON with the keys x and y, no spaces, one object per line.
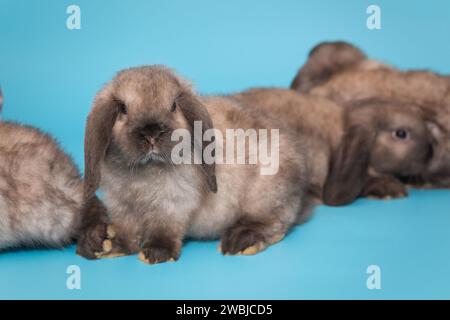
{"x":40,"y":190}
{"x":154,"y":203}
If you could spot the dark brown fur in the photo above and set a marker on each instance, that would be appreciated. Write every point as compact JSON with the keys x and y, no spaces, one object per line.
{"x":365,"y":79}
{"x":99,"y":126}
{"x":193,"y":110}
{"x":325,"y":60}
{"x":370,"y":155}
{"x":243,"y":234}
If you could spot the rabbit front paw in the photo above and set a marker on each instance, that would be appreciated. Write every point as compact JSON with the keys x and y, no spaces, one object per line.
{"x":91,"y":240}
{"x":385,"y":188}
{"x":110,"y":248}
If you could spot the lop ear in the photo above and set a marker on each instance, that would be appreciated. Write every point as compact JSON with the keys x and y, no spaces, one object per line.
{"x":435,"y":130}
{"x":193,"y":110}
{"x":349,"y":165}
{"x":324,"y":61}
{"x":97,"y":138}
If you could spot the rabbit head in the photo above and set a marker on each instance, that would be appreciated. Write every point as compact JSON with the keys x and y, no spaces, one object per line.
{"x":328,"y":59}
{"x":132,"y":120}
{"x":382,"y":138}
{"x":340,"y":72}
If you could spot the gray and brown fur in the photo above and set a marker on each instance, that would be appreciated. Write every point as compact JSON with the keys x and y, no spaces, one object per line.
{"x":153,"y":204}
{"x":385,"y":147}
{"x":40,"y":190}
{"x":353,"y":151}
{"x":324,"y":61}
{"x":364,"y":80}
{"x":315,"y":120}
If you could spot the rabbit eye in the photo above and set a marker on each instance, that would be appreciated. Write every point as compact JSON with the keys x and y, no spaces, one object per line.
{"x":401,"y":134}
{"x":174,"y":106}
{"x":122,"y":108}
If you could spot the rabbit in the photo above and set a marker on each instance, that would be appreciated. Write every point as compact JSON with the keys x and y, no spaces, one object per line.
{"x":372,"y":148}
{"x":386,"y":147}
{"x":324,"y":61}
{"x":154,"y":203}
{"x":41,"y":191}
{"x":327,"y":74}
{"x":316,"y":120}
{"x":358,"y":78}
{"x":328,"y":60}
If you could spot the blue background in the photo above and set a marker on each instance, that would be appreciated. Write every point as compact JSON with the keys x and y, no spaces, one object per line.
{"x":49,"y":75}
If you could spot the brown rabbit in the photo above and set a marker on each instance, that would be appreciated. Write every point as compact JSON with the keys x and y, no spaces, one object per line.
{"x":154,"y":203}
{"x":327,"y":74}
{"x":316,"y":120}
{"x":358,"y":78}
{"x":324,"y":61}
{"x":385,"y":145}
{"x":367,"y":149}
{"x":40,"y":190}
{"x":330,"y":59}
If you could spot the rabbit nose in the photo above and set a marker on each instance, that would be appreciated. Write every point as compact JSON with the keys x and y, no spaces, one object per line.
{"x":150,"y":140}
{"x":151,"y":132}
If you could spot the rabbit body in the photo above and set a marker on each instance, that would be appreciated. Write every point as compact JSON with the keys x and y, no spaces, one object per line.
{"x":154,"y":205}
{"x":356,"y":150}
{"x":317,"y":121}
{"x":40,"y":190}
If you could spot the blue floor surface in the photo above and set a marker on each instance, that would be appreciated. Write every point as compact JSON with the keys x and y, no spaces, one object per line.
{"x":327,"y":258}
